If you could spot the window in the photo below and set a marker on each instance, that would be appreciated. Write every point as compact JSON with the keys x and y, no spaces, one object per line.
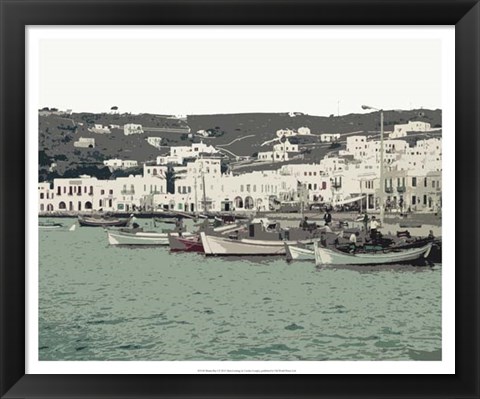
{"x":41,"y":195}
{"x":110,"y":192}
{"x":248,"y":188}
{"x":241,"y":188}
{"x":102,"y":192}
{"x":414,"y":200}
{"x":414,"y":182}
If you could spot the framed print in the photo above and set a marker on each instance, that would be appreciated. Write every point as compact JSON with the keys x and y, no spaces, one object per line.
{"x":211,"y":190}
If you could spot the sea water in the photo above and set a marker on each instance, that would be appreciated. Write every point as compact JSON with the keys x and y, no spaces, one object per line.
{"x":101,"y":302}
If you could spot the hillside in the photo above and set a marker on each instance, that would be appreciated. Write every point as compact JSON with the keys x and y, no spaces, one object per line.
{"x":235,"y":134}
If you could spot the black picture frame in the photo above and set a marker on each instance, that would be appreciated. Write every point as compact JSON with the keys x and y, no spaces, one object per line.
{"x":16,"y":14}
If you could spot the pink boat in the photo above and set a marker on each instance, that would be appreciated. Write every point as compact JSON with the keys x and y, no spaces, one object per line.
{"x":185,"y":244}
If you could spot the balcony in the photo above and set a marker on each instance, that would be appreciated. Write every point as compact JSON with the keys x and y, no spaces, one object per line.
{"x":389,"y":190}
{"x":128,"y":192}
{"x":337,"y":186}
{"x":401,"y":189}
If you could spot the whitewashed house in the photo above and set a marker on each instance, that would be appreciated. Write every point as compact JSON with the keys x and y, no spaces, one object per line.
{"x":304,"y":131}
{"x":179,"y":153}
{"x":99,"y":129}
{"x":132,"y":128}
{"x":120,"y":164}
{"x":329,"y":137}
{"x":155,"y":141}
{"x":281,"y":152}
{"x":411,"y":126}
{"x":84,"y":142}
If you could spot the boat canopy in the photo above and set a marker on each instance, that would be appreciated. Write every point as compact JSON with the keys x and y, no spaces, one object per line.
{"x":350,"y":200}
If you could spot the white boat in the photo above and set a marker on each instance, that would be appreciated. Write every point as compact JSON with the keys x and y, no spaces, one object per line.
{"x":49,"y":225}
{"x":325,"y":256}
{"x":295,"y":252}
{"x":140,"y":238}
{"x":214,"y":245}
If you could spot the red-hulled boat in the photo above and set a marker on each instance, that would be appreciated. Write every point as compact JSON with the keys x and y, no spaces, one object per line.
{"x":185,"y":244}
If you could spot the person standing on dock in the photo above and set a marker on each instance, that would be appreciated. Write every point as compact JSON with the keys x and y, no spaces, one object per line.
{"x":374,"y":225}
{"x":365,"y":222}
{"x":179,"y":226}
{"x":353,"y":242}
{"x":327,"y":217}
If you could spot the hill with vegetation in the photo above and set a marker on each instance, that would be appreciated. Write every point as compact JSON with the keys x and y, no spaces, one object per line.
{"x":237,"y":135}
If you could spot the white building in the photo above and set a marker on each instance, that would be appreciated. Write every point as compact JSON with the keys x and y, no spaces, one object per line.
{"x":120,"y":164}
{"x":329,"y":137}
{"x":179,"y":153}
{"x":426,"y":156}
{"x":155,"y":170}
{"x":361,"y":149}
{"x":132,"y":128}
{"x":155,"y":141}
{"x":304,"y":131}
{"x":86,"y":194}
{"x":411,"y":126}
{"x":313,"y":177}
{"x":281,"y":152}
{"x":286,"y":133}
{"x":99,"y":129}
{"x":84,"y":142}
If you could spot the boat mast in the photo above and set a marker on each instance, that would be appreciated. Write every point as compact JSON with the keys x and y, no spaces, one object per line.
{"x":204,"y":194}
{"x":196,"y":200}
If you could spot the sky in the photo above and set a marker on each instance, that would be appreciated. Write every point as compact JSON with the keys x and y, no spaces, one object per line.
{"x":197,"y":73}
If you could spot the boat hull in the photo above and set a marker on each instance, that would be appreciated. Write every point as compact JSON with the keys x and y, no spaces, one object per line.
{"x":325,"y":256}
{"x":140,"y":238}
{"x":213,"y":245}
{"x":294,"y":252}
{"x":92,"y":222}
{"x":183,"y":244}
{"x":50,"y":227}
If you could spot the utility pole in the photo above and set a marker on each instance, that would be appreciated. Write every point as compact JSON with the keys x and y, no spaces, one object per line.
{"x":382,"y":183}
{"x":204,"y":193}
{"x":196,"y":200}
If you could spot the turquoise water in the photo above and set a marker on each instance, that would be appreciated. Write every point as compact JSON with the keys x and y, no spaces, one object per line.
{"x":99,"y":302}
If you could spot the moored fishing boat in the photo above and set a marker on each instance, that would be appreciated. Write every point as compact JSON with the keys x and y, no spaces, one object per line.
{"x":185,"y":244}
{"x":297,"y":252}
{"x":118,"y":237}
{"x":327,"y":256}
{"x":49,"y":225}
{"x":104,"y":221}
{"x":215,"y":245}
